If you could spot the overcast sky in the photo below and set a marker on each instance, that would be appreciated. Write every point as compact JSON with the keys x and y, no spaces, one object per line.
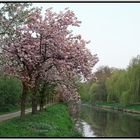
{"x":113,"y":29}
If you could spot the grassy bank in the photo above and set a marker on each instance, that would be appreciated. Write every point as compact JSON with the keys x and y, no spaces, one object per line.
{"x":135,"y":108}
{"x":55,"y":121}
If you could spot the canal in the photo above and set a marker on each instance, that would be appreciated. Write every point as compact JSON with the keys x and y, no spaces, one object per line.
{"x":93,"y":122}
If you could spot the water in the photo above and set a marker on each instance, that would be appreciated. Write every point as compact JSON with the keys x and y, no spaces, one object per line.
{"x":85,"y":129}
{"x":93,"y":122}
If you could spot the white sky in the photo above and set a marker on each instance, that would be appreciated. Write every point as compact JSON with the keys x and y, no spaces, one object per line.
{"x":114,"y":29}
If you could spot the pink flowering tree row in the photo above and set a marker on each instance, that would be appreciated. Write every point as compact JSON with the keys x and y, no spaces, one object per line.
{"x":46,"y":50}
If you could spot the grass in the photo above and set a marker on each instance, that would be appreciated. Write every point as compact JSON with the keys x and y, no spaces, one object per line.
{"x":54,"y":121}
{"x":113,"y":105}
{"x":134,"y":107}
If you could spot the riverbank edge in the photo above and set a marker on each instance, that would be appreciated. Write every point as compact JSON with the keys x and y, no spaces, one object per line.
{"x":117,"y":109}
{"x":62,"y":121}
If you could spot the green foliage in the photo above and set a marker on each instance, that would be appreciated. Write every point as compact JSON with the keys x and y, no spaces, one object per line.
{"x":114,"y":85}
{"x":93,"y":93}
{"x":84,"y":91}
{"x":95,"y":90}
{"x":10,"y":92}
{"x":124,"y":85}
{"x":48,"y":123}
{"x":50,"y":91}
{"x":46,"y":92}
{"x":134,"y":76}
{"x":125,"y":98}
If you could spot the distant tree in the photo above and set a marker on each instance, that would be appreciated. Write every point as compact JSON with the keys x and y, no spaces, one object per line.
{"x":134,"y":78}
{"x":124,"y":85}
{"x":116,"y":85}
{"x":101,"y":75}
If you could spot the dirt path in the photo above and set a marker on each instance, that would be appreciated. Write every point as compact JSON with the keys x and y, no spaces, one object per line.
{"x":12,"y":115}
{"x":16,"y":114}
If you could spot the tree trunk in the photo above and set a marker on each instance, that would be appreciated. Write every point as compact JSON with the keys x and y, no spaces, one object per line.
{"x":42,"y":96}
{"x":42,"y":100}
{"x":41,"y":105}
{"x":23,"y":101}
{"x":34,"y":102}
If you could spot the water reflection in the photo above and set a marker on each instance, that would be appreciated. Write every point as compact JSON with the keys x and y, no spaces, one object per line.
{"x":93,"y":122}
{"x":85,"y":129}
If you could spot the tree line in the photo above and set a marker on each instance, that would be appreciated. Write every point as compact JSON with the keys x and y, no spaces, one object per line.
{"x":114,"y":85}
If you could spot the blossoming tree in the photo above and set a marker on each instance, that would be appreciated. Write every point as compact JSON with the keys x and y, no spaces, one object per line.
{"x":45,"y":49}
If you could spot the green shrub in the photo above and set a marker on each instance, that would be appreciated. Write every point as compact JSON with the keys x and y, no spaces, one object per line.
{"x":10,"y":92}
